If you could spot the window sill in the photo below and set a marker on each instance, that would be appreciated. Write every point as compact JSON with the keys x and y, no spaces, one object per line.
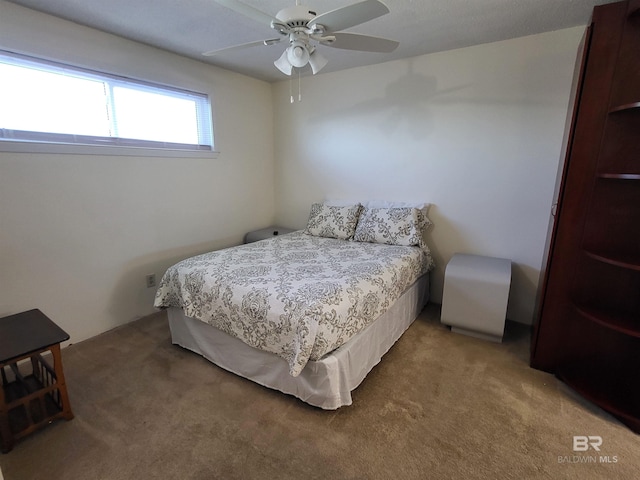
{"x":114,"y":150}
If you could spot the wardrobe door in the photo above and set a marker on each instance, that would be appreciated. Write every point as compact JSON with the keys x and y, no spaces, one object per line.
{"x":541,"y":351}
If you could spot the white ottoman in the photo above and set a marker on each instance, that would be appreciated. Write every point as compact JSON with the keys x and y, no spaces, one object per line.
{"x":475,"y":295}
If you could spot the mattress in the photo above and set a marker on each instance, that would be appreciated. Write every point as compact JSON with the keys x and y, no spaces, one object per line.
{"x":326,"y":383}
{"x":297,"y":296}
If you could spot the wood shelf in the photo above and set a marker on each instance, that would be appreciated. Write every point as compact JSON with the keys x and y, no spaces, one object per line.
{"x":602,"y":387}
{"x":625,"y":107}
{"x":621,"y":322}
{"x":594,"y":256}
{"x":619,"y":176}
{"x":630,"y":262}
{"x":27,"y":407}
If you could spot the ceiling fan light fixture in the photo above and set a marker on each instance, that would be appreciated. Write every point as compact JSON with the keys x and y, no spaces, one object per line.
{"x":317,"y":61}
{"x":283,"y":64}
{"x":297,"y":54}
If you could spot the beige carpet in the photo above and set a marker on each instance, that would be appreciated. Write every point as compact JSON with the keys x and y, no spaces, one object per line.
{"x":439,"y":405}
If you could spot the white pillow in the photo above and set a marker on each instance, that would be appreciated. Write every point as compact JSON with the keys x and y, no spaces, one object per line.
{"x":333,"y":221}
{"x":422,"y":207}
{"x":340,"y":202}
{"x":391,"y":226}
{"x":389,"y":204}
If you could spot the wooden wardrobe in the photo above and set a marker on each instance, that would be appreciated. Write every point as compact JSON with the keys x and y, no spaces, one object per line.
{"x":587,"y":328}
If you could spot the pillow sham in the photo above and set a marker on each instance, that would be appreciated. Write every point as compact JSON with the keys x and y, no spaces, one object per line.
{"x":391,"y":226}
{"x":333,"y":221}
{"x":423,"y":210}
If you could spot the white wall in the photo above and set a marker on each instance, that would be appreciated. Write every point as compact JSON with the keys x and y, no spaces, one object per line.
{"x":476,"y":131}
{"x":78,"y":233}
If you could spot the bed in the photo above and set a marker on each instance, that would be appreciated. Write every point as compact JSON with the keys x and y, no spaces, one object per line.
{"x":308,"y":313}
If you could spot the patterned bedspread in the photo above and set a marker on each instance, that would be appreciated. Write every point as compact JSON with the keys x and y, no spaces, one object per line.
{"x":296,"y":295}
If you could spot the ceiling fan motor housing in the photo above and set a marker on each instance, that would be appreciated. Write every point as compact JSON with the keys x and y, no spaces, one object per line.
{"x":293,"y":21}
{"x":296,"y":17}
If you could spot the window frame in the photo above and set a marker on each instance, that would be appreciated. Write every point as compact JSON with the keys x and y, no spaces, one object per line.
{"x":44,"y":142}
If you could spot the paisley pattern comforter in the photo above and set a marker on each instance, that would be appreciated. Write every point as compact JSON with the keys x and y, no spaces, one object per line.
{"x":296,"y":295}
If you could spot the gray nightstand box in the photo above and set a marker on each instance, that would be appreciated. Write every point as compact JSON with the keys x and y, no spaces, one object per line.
{"x":265,"y":233}
{"x":475,"y":295}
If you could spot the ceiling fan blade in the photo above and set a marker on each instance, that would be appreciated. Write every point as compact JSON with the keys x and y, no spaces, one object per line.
{"x":247,"y":11}
{"x":270,"y":41}
{"x":349,"y":16}
{"x":364,"y":43}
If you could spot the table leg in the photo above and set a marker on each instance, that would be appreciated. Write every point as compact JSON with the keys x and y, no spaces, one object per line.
{"x":6,"y":438}
{"x":62,"y":385}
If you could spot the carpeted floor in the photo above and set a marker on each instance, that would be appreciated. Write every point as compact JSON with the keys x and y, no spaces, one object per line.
{"x":439,"y":405}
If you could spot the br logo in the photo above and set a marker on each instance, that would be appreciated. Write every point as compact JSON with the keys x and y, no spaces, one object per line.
{"x":582,"y":443}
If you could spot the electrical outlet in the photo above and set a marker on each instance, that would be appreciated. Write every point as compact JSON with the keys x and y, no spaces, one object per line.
{"x":151,"y":280}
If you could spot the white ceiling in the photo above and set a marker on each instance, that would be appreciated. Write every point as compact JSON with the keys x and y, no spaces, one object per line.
{"x":190,"y":27}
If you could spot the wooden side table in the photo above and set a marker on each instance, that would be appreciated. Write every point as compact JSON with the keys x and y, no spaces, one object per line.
{"x":32,"y":401}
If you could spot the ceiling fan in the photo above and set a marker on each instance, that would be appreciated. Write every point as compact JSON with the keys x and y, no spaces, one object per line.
{"x":302,"y":26}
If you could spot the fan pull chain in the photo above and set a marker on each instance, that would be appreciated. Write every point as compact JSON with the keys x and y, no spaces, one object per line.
{"x":291,"y":99}
{"x":290,"y":89}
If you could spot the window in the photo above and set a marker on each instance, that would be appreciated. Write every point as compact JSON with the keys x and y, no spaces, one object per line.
{"x":50,"y":103}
